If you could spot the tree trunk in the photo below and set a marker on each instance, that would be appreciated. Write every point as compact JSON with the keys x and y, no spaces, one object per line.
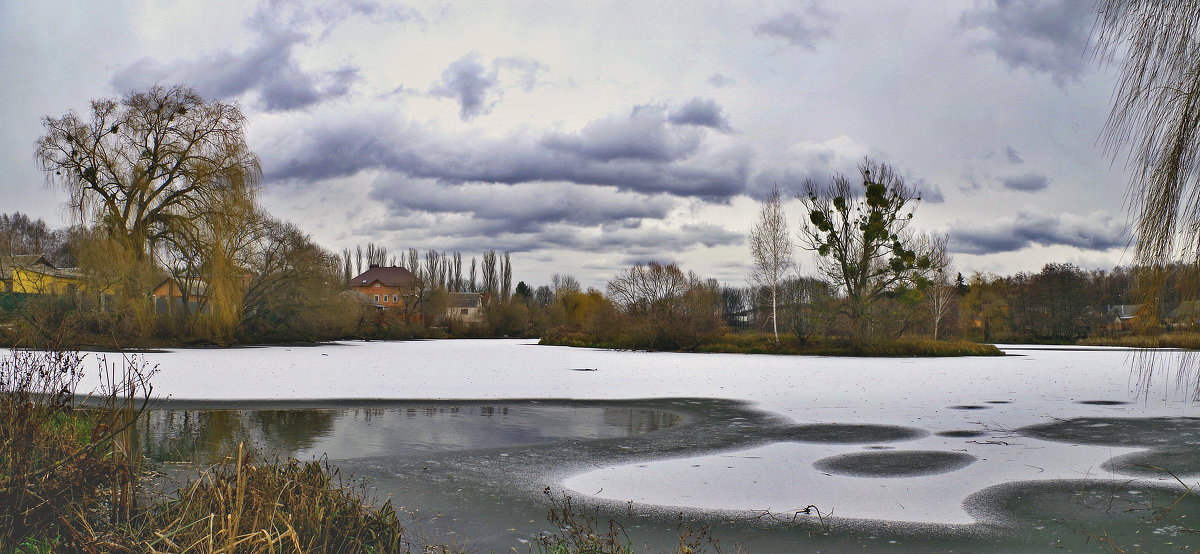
{"x":775,"y":312}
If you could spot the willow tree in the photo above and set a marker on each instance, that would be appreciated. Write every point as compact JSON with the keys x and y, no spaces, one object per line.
{"x":1155,"y":118}
{"x":209,"y":255}
{"x":1155,"y":122}
{"x":158,"y":171}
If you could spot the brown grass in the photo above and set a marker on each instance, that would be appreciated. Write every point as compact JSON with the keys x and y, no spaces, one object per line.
{"x":285,"y":506}
{"x":1185,"y":341}
{"x":763,"y":343}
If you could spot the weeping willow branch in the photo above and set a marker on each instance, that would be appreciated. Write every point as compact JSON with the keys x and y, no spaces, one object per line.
{"x":1155,"y":124}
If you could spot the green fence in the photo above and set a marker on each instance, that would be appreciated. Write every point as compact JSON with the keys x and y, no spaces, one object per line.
{"x":10,"y":301}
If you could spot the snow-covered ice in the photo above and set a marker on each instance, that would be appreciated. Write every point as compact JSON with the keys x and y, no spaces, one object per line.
{"x":989,"y":395}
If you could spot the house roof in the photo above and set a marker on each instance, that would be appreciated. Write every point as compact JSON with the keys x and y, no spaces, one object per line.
{"x":198,"y":287}
{"x":464,"y":300}
{"x":35,"y":263}
{"x":1187,"y":308}
{"x":1124,"y":311}
{"x":389,"y":276}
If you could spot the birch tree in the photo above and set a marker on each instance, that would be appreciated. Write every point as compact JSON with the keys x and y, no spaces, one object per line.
{"x":941,"y":295}
{"x":772,"y":252}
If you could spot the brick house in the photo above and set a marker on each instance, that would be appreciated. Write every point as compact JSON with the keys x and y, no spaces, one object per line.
{"x":387,"y":286}
{"x":168,"y":297}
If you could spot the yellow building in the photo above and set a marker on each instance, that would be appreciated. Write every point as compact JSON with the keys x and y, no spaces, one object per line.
{"x":36,"y":275}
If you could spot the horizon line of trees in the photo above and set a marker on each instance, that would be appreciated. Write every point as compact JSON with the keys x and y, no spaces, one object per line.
{"x":162,"y":184}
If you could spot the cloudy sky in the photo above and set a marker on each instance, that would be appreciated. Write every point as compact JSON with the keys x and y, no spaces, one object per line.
{"x":585,"y":136}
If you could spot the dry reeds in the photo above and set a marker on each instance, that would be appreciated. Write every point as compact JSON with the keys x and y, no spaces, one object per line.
{"x":56,"y":457}
{"x":278,"y":507}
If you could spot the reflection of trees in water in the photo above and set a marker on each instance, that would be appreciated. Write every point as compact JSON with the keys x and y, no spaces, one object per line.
{"x":437,"y":411}
{"x":368,"y":414}
{"x":291,"y":430}
{"x":208,"y":435}
{"x":191,"y":435}
{"x":637,"y":421}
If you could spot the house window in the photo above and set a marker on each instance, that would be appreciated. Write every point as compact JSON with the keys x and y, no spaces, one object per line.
{"x":385,"y":298}
{"x":463,"y":311}
{"x":394,"y":297}
{"x":377,"y":298}
{"x":376,"y":285}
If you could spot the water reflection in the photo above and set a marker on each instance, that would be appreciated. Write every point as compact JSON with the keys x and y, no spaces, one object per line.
{"x":204,"y":434}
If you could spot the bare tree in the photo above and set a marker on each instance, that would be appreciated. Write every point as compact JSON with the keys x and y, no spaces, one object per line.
{"x":414,"y":262}
{"x":863,"y":240}
{"x":644,"y":285}
{"x":140,"y":165}
{"x":445,"y":271}
{"x":205,"y":253}
{"x":433,"y":264}
{"x":668,"y":308}
{"x":771,"y":250}
{"x":563,"y":282}
{"x":358,"y":253}
{"x":490,"y":281}
{"x":474,"y":287}
{"x":941,"y":293}
{"x":505,"y":278}
{"x":457,"y":279}
{"x":293,"y":292}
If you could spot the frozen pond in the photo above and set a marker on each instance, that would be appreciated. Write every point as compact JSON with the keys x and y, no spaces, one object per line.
{"x":1033,"y":450}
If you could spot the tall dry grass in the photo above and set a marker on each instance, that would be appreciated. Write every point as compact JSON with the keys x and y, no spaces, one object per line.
{"x":244,"y":506}
{"x":63,"y":464}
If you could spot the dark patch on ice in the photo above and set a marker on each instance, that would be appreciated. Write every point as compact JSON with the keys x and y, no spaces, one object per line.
{"x":849,"y":433}
{"x":879,"y":447}
{"x":1104,"y":402}
{"x":904,"y":463}
{"x":583,"y":369}
{"x":961,"y":433}
{"x":969,"y":407}
{"x":1115,"y":506}
{"x":999,"y":401}
{"x":1155,"y":432}
{"x":1158,"y":462}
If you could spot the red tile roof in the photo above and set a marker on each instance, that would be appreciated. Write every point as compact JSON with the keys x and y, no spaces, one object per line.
{"x":388,"y":276}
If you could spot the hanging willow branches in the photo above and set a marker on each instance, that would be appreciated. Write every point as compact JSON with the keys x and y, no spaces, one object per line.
{"x":1155,"y":118}
{"x":1155,"y":122}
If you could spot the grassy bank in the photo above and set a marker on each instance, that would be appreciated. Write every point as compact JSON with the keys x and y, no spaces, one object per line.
{"x":69,"y":479}
{"x":1186,"y":341}
{"x":761,"y":343}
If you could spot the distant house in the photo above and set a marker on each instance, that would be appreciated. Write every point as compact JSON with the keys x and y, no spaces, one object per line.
{"x":1188,"y":313}
{"x":387,"y":286}
{"x":466,"y":307}
{"x":168,"y":296}
{"x":36,"y":275}
{"x":1122,"y":317}
{"x":742,"y":318}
